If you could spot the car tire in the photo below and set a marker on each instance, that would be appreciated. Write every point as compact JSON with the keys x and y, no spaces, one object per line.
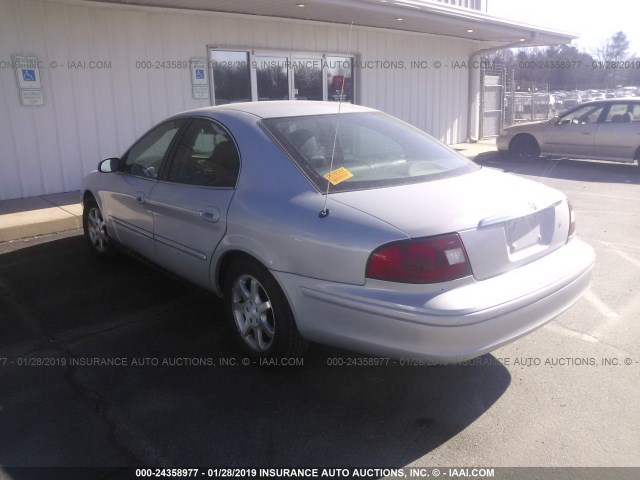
{"x":259,"y":314}
{"x":524,"y":147}
{"x":95,"y":231}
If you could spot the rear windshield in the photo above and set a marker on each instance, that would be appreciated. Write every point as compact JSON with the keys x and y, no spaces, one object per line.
{"x":372,"y":150}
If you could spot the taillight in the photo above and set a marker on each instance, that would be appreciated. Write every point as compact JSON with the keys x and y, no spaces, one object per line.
{"x":572,"y":221}
{"x":420,"y":260}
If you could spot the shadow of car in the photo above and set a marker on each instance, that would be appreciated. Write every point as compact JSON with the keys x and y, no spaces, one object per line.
{"x":185,"y":410}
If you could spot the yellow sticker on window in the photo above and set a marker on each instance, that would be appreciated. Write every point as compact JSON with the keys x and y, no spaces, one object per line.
{"x":338,"y":175}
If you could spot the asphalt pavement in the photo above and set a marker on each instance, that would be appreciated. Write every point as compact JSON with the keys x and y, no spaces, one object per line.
{"x":119,"y":364}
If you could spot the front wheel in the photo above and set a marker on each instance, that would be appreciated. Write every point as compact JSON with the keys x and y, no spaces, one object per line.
{"x":95,"y":230}
{"x":524,"y":147}
{"x":259,"y":314}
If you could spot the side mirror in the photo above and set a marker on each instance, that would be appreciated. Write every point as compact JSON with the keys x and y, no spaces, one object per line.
{"x":109,"y":165}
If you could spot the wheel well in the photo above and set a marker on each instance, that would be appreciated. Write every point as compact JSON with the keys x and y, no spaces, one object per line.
{"x":87,"y":196}
{"x":522,"y":135}
{"x":226,"y":261}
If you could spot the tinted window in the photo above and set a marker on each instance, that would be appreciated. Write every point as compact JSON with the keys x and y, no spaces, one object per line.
{"x":371,"y":150}
{"x":206,"y":155}
{"x":340,"y":79}
{"x":307,"y":78}
{"x":231,"y":77}
{"x":272,"y":78}
{"x":145,"y":157}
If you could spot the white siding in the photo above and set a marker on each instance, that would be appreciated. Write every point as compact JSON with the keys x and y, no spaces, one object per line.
{"x":93,"y":114}
{"x":474,"y":4}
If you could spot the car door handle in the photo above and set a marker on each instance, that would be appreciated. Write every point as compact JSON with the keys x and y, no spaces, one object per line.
{"x":209,"y":214}
{"x":139,"y":196}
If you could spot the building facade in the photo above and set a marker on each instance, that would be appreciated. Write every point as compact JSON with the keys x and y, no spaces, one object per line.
{"x":80,"y":80}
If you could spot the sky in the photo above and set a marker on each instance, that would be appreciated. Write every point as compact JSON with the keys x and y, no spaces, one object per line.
{"x":593,"y":21}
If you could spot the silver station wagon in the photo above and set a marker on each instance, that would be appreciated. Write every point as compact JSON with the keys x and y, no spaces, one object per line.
{"x":600,"y":130}
{"x":355,"y":230}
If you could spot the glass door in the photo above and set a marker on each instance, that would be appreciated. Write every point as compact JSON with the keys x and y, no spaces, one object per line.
{"x":339,"y":79}
{"x":307,"y":78}
{"x":272,"y":77}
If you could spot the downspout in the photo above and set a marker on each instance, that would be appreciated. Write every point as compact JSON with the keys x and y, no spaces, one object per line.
{"x":474,"y":86}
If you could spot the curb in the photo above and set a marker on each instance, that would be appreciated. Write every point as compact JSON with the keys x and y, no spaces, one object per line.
{"x":35,"y":216}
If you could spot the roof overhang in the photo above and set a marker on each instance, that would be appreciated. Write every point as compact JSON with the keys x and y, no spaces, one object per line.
{"x":419,"y":16}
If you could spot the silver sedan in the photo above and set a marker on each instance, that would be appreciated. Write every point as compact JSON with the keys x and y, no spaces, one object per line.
{"x":353,"y":229}
{"x":601,"y":130}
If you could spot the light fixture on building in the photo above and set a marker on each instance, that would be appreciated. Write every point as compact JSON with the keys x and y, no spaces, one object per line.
{"x":399,"y":19}
{"x":301,"y":5}
{"x":521,"y":39}
{"x":470,"y":30}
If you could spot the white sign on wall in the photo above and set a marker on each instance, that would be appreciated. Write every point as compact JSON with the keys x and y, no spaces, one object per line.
{"x":199,"y":78}
{"x":28,"y":77}
{"x":31,"y":97}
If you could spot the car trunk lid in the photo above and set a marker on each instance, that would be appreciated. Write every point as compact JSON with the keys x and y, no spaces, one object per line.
{"x":504,"y":221}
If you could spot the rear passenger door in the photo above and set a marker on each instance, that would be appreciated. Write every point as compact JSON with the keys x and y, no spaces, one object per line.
{"x":191,"y":200}
{"x":618,"y":136}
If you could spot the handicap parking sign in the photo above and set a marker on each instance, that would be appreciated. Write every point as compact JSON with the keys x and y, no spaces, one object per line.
{"x":200,"y":73}
{"x":28,"y":75}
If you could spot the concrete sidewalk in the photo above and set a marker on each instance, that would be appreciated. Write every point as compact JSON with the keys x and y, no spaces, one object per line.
{"x":34,"y":216}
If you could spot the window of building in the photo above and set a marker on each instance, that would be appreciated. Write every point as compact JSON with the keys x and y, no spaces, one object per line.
{"x":231,"y":76}
{"x":307,"y":78}
{"x":272,"y":77}
{"x":240,"y":76}
{"x":339,"y":79}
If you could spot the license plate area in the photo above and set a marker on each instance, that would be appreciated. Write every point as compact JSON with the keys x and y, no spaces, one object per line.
{"x":530,"y":234}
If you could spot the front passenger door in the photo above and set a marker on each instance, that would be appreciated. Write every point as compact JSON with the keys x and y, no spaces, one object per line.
{"x":126,"y":200}
{"x":191,"y":201}
{"x":573,"y":135}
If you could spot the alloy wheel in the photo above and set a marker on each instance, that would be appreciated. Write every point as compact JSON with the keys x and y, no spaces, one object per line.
{"x":253,"y":313}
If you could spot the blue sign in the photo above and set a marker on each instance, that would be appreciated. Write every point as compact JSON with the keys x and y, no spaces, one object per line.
{"x":28,"y":75}
{"x":200,"y":73}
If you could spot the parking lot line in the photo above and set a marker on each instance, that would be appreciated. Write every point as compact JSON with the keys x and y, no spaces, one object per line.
{"x":602,"y":307}
{"x":567,"y":332}
{"x":616,"y":249}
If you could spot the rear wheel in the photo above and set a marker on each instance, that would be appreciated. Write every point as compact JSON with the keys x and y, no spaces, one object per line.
{"x":524,"y":147}
{"x":259,"y":314}
{"x":95,"y":230}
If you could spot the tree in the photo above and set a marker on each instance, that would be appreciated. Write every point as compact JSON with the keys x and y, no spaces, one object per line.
{"x":609,"y":54}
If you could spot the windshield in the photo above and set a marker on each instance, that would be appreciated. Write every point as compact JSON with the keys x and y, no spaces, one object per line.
{"x":372,"y":150}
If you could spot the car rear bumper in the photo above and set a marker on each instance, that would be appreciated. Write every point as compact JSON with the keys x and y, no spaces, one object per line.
{"x":417,"y":321}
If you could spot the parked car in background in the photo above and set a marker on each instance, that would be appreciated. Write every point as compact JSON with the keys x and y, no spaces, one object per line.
{"x":602,"y":130}
{"x":417,"y":252}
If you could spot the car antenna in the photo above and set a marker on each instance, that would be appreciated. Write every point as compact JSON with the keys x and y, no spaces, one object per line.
{"x":325,"y":211}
